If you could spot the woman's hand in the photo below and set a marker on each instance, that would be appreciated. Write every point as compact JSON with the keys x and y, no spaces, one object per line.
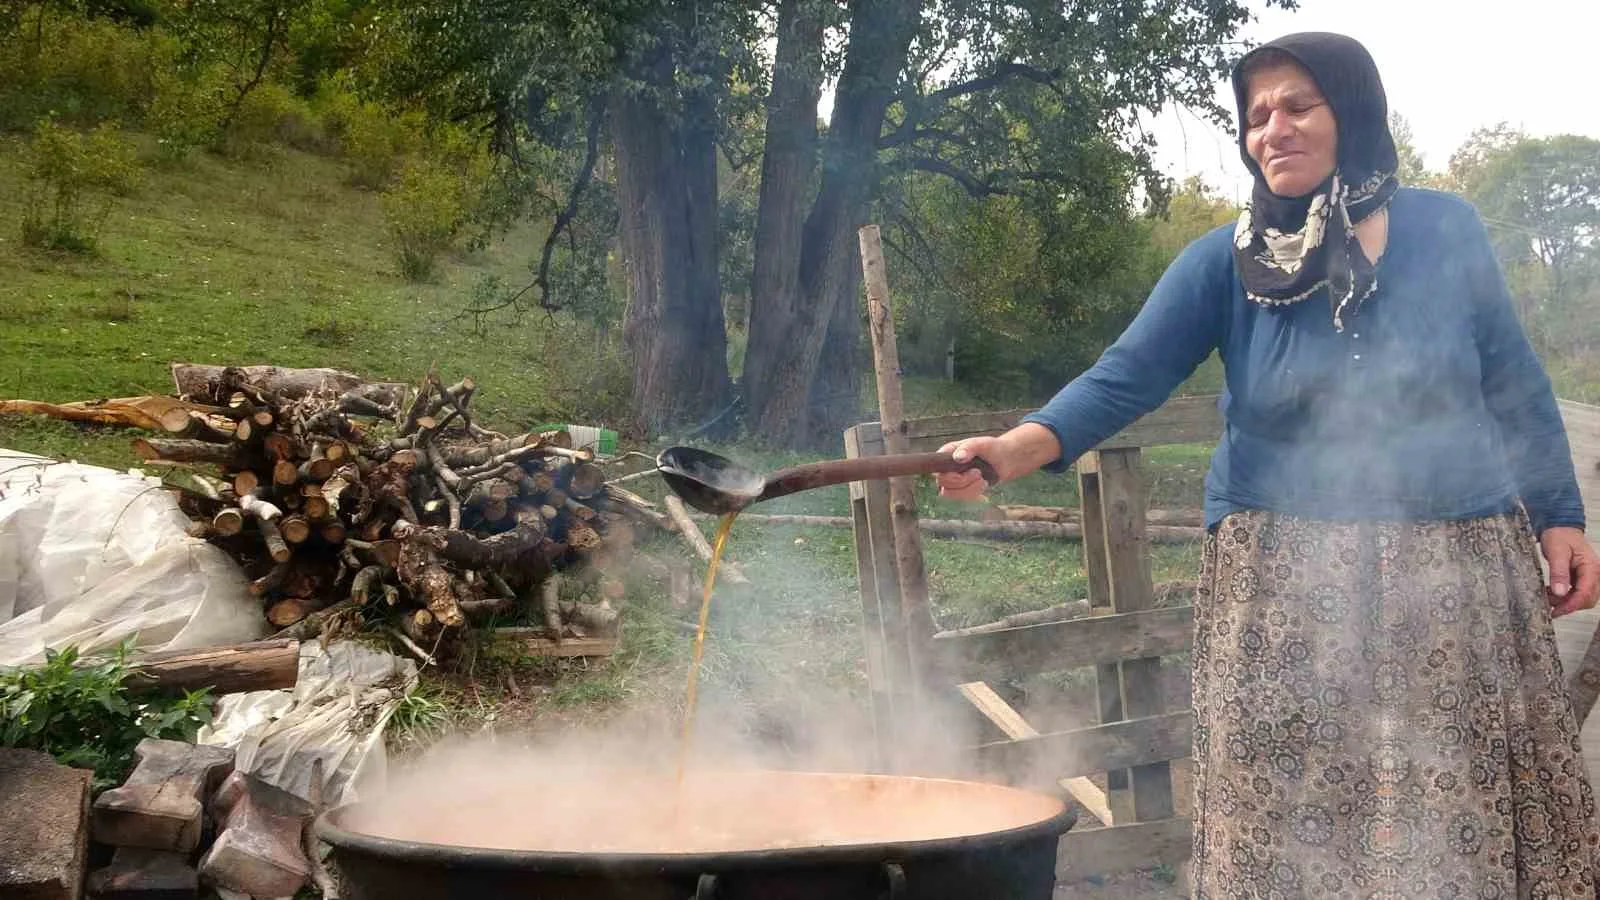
{"x":1574,"y":569}
{"x":1012,"y":455}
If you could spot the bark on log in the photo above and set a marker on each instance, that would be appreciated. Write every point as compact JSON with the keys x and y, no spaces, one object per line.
{"x":272,"y":581}
{"x":228,"y":522}
{"x":691,"y":533}
{"x":497,"y":552}
{"x":181,"y":423}
{"x":366,"y":581}
{"x":254,"y":666}
{"x":277,"y":548}
{"x":229,"y":455}
{"x":429,"y":583}
{"x":550,"y":605}
{"x":217,"y":383}
{"x":124,"y":412}
{"x":1188,"y":518}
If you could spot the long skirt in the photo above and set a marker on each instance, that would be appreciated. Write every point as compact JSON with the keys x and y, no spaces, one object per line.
{"x":1380,"y":713}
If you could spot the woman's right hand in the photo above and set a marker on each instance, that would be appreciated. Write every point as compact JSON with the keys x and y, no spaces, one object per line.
{"x":1012,"y":455}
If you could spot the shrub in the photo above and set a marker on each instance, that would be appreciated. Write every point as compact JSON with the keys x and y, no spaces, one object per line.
{"x":425,"y":211}
{"x":80,"y":712}
{"x":74,"y":178}
{"x":80,"y":70}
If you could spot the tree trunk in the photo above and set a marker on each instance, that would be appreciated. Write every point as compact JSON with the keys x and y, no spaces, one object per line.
{"x":803,"y":388}
{"x":788,"y":175}
{"x":667,"y":190}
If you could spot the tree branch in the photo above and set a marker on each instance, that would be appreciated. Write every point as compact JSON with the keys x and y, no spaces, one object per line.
{"x":975,"y":186}
{"x":996,"y":78}
{"x":908,"y":135}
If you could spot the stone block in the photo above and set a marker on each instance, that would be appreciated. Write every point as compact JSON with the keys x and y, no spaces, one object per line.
{"x":258,"y":849}
{"x":44,"y":827}
{"x":162,"y":804}
{"x":138,"y":873}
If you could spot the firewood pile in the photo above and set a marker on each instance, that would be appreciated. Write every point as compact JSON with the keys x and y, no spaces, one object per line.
{"x":351,"y":504}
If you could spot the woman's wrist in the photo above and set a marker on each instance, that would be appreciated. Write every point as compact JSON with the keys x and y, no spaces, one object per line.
{"x":1029,"y":447}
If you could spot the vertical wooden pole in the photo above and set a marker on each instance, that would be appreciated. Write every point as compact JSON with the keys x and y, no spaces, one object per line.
{"x":1107,"y":677}
{"x":915,"y":611}
{"x":1123,"y":498}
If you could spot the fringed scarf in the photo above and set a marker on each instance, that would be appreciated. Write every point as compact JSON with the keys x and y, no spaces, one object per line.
{"x":1289,"y":248}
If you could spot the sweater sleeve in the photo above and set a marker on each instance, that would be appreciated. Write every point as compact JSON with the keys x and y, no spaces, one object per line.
{"x":1175,"y":331}
{"x":1518,"y":393}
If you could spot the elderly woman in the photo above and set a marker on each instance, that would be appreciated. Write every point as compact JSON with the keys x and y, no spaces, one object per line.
{"x":1379,"y":707}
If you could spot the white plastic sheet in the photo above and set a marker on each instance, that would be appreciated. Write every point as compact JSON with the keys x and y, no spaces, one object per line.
{"x":337,"y":711}
{"x":91,"y":556}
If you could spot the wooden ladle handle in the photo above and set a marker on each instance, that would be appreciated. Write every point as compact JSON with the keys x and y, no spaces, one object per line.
{"x":868,"y":468}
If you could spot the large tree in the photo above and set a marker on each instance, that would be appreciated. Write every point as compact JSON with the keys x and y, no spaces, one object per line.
{"x":1035,"y":99}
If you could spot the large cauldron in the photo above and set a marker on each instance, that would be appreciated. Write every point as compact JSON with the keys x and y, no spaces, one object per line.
{"x":1008,"y":853}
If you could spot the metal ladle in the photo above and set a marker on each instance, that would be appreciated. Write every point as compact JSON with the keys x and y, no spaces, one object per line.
{"x":717,"y":485}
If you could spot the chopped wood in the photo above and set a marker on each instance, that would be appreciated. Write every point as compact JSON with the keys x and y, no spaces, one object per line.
{"x":334,"y":532}
{"x":228,"y":522}
{"x":245,"y":482}
{"x":271,"y":581}
{"x":285,"y":473}
{"x":295,"y":529}
{"x":315,"y":624}
{"x":365,"y":582}
{"x":288,"y":611}
{"x":593,"y":618}
{"x":278,"y":446}
{"x":479,"y":610}
{"x":125,"y":412}
{"x":179,"y":422}
{"x":726,"y":570}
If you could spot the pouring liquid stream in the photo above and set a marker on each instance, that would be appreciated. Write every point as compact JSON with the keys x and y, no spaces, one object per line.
{"x":723,"y":528}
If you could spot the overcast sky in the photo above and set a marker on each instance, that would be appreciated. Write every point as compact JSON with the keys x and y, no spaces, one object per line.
{"x":1446,"y":67}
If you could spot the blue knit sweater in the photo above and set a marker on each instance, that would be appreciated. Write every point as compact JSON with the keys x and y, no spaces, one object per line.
{"x":1430,"y":405}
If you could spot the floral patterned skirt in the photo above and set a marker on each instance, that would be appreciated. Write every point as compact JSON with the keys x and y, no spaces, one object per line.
{"x":1380,"y":713}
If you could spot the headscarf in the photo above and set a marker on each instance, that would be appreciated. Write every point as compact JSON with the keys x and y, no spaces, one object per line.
{"x":1289,"y":247}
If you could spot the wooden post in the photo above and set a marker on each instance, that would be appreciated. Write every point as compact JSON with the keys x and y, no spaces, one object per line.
{"x":915,"y":612}
{"x":1122,"y":495}
{"x":1108,"y":677}
{"x":877,"y":648}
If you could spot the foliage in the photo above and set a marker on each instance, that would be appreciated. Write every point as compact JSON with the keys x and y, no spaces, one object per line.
{"x":73,"y":180}
{"x":78,"y":710}
{"x":79,"y":70}
{"x":425,"y":212}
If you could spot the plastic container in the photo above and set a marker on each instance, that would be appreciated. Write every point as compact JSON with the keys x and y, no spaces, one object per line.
{"x":602,"y":441}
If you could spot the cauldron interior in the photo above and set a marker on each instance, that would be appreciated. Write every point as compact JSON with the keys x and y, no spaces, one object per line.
{"x":768,"y":835}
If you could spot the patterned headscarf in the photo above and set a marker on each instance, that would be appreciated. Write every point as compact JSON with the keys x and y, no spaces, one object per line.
{"x":1289,"y":247}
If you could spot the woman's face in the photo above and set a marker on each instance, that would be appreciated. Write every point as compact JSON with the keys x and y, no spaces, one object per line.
{"x":1289,"y":128}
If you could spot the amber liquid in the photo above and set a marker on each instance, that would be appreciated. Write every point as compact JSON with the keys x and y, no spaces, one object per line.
{"x":723,"y":527}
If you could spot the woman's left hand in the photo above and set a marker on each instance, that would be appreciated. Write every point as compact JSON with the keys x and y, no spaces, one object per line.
{"x":1574,"y":569}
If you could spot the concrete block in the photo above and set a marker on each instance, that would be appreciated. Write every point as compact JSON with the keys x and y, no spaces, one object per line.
{"x":44,"y":827}
{"x":162,"y":804}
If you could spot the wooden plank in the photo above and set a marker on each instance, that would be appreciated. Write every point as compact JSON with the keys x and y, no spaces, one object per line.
{"x":1060,"y":646}
{"x":1181,"y":420}
{"x":1014,"y":726}
{"x":1097,"y":852}
{"x":535,"y":642}
{"x":1086,"y":751}
{"x":874,"y":652}
{"x":1123,"y":499}
{"x":997,"y":710}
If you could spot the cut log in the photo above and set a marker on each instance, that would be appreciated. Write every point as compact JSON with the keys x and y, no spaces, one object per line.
{"x":216,"y":384}
{"x":316,"y":507}
{"x":125,"y":412}
{"x":550,"y":606}
{"x":593,"y":618}
{"x":245,"y":482}
{"x":272,"y":581}
{"x":365,"y":582}
{"x":686,"y":526}
{"x":295,"y":529}
{"x":334,"y":532}
{"x":420,"y":570}
{"x":289,"y":610}
{"x":179,"y":422}
{"x":278,"y":446}
{"x":285,"y":473}
{"x":1188,"y":518}
{"x":228,"y":522}
{"x":229,"y":455}
{"x":497,"y":552}
{"x":230,"y":668}
{"x":585,"y":480}
{"x":160,"y":806}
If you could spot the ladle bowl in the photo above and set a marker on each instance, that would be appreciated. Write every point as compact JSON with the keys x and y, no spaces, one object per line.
{"x":718,"y":485}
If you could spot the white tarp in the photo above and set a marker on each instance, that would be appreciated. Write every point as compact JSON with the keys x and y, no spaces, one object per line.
{"x":91,"y":556}
{"x":337,"y":711}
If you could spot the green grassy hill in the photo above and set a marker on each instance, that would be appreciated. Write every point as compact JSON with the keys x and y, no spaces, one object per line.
{"x":273,"y":260}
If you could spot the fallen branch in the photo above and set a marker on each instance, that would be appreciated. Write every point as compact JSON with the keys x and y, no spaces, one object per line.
{"x":1005,"y":530}
{"x":255,"y":666}
{"x":691,"y":533}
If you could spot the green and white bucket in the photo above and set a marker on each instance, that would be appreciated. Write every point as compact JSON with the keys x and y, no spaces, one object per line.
{"x":603,"y":441}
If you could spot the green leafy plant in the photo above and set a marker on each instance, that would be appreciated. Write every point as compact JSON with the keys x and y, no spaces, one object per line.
{"x":79,"y":711}
{"x":425,"y":213}
{"x":74,"y":180}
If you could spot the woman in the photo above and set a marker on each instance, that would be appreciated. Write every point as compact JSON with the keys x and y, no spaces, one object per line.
{"x":1379,"y":707}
